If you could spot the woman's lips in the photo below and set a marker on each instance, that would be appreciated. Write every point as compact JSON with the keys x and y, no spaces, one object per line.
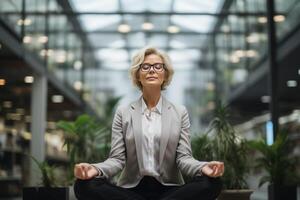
{"x":151,"y":78}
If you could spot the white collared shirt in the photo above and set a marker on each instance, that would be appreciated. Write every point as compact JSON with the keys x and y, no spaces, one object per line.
{"x":151,"y":127}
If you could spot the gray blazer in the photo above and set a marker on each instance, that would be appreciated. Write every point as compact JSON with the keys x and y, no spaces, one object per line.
{"x":175,"y":154}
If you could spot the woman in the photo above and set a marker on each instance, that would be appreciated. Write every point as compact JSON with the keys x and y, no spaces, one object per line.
{"x":150,"y":145}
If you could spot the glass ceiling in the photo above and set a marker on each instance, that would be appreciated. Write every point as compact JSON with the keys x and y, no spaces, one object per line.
{"x":118,"y":28}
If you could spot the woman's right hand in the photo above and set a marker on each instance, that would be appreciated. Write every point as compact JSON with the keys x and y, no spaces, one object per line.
{"x":85,"y":171}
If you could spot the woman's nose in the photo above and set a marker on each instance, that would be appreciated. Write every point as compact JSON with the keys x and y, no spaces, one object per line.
{"x":151,"y":71}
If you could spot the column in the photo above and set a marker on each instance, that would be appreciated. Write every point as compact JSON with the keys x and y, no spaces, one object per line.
{"x":38,"y":125}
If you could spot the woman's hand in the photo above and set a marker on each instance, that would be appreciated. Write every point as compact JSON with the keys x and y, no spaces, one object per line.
{"x":85,"y":171}
{"x":213,"y":169}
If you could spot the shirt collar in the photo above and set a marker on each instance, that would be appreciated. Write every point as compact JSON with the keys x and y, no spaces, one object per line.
{"x":157,"y":108}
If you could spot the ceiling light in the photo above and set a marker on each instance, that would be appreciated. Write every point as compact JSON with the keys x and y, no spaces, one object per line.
{"x":124,"y":28}
{"x":57,"y":98}
{"x":7,"y":104}
{"x":28,"y":79}
{"x":251,"y":53}
{"x":234,"y":59}
{"x":43,"y":39}
{"x":291,"y":83}
{"x":27,"y":39}
{"x":225,"y":28}
{"x":77,"y":85}
{"x":262,"y":20}
{"x":242,"y":53}
{"x":147,"y":26}
{"x":253,"y":38}
{"x":2,"y":82}
{"x":298,"y":71}
{"x":239,"y":53}
{"x":25,"y":22}
{"x":61,"y":59}
{"x":77,"y":65}
{"x":45,"y":52}
{"x":279,"y":18}
{"x":0,"y":46}
{"x":265,"y":99}
{"x":173,"y":29}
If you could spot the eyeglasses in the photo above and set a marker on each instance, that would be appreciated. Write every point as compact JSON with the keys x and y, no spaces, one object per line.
{"x":158,"y":67}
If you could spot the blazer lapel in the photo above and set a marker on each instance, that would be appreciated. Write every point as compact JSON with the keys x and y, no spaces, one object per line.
{"x":137,"y":129}
{"x":165,"y":129}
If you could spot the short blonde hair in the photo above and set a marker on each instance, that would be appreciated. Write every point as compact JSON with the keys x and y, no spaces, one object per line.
{"x":139,"y":58}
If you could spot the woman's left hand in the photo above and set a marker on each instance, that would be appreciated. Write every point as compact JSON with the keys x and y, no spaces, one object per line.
{"x":213,"y":169}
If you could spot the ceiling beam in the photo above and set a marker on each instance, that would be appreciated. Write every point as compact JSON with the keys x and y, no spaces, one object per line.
{"x":76,"y":13}
{"x":57,"y":31}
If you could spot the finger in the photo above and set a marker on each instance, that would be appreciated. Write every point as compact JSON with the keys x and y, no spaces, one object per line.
{"x":216,"y":171}
{"x":211,"y":167}
{"x":82,"y":169}
{"x":220,"y":172}
{"x":90,"y":171}
{"x":207,"y":171}
{"x":212,"y":170}
{"x":87,"y":170}
{"x":218,"y":168}
{"x":78,"y":171}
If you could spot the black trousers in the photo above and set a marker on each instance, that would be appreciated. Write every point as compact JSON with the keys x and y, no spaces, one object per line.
{"x":200,"y":188}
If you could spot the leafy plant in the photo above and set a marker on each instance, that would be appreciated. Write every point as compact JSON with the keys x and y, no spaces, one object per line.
{"x":47,"y":172}
{"x":277,"y":160}
{"x":202,"y":148}
{"x":87,"y":139}
{"x":230,"y":149}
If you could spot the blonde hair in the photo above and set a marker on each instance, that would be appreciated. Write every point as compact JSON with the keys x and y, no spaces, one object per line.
{"x":139,"y":58}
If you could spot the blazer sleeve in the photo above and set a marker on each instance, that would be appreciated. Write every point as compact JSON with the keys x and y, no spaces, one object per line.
{"x":187,"y":164}
{"x":116,"y":159}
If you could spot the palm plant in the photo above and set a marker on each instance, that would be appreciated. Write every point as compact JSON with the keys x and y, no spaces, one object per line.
{"x":230,"y":149}
{"x":48,"y":188}
{"x":87,"y":139}
{"x":202,"y":147}
{"x":47,"y":172}
{"x":277,"y":160}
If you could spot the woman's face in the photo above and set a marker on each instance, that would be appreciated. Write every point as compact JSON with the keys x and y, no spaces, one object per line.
{"x":152,"y":72}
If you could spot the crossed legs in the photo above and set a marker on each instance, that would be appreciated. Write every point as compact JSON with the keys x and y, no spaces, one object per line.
{"x":201,"y":187}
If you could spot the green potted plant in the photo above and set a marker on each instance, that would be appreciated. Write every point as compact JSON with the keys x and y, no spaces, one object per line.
{"x":88,"y":139}
{"x":85,"y":139}
{"x":48,"y":189}
{"x":202,"y":147}
{"x":280,"y":166}
{"x":232,"y":150}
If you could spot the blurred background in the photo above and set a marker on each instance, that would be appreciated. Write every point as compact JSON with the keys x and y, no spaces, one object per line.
{"x":60,"y":59}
